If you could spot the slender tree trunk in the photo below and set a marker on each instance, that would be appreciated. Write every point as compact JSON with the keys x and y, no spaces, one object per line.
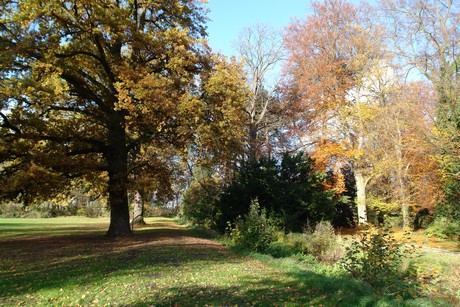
{"x":117,"y":160}
{"x":401,"y":175}
{"x":138,"y":214}
{"x":253,"y":155}
{"x":404,"y":206}
{"x":402,"y":197}
{"x":361,"y":184}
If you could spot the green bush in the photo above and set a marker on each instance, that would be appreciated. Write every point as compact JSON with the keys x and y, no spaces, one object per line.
{"x":255,"y":231}
{"x":289,"y":188}
{"x":322,"y":242}
{"x":163,"y":211}
{"x":295,"y":241}
{"x":286,"y":245}
{"x":93,"y":209}
{"x":42,"y":210}
{"x":444,"y":228}
{"x":200,"y":203}
{"x":376,"y":257}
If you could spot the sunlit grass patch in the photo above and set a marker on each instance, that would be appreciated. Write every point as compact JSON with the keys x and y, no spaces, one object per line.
{"x":32,"y":227}
{"x":163,"y":264}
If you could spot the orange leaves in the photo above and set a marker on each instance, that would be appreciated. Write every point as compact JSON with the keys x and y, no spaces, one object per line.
{"x":320,"y":59}
{"x":332,"y":156}
{"x":329,"y":152}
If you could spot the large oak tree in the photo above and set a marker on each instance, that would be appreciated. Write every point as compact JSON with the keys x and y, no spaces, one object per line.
{"x":84,"y":83}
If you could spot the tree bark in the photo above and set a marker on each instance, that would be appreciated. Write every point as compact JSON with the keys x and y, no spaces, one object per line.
{"x":361,"y":184}
{"x":401,"y":177}
{"x":117,"y":160}
{"x":138,"y":214}
{"x":253,"y":150}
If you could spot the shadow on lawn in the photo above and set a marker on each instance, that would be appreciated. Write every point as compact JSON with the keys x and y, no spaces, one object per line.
{"x":309,"y":289}
{"x":30,"y":264}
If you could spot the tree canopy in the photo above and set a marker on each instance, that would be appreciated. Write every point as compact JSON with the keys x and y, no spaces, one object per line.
{"x":84,"y":83}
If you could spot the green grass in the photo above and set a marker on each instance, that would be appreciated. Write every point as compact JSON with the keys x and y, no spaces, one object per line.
{"x":67,"y":261}
{"x":440,"y":275}
{"x":33,"y":227}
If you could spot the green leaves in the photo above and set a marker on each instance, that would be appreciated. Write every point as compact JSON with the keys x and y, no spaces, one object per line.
{"x":255,"y":230}
{"x":376,"y":258}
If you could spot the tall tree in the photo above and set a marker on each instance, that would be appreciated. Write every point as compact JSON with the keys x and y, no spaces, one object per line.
{"x":330,"y":55}
{"x":426,"y":37}
{"x":85,"y":82}
{"x":406,"y":172}
{"x":261,"y":50}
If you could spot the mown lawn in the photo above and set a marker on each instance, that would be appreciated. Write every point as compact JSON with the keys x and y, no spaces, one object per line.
{"x":68,"y":261}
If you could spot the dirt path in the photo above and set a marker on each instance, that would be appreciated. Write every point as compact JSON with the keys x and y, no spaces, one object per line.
{"x":440,"y":251}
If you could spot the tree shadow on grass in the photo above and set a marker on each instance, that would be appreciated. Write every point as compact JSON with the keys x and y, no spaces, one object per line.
{"x":31,"y":264}
{"x":152,"y":262}
{"x":307,"y":289}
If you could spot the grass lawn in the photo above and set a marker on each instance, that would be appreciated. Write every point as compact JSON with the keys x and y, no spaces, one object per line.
{"x":68,"y":261}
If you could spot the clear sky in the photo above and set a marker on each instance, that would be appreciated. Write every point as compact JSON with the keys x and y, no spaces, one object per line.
{"x":229,"y":17}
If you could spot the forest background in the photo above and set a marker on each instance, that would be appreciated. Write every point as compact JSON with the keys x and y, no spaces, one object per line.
{"x":122,"y":102}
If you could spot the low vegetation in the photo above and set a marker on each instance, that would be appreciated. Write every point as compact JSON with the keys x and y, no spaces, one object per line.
{"x":67,"y":261}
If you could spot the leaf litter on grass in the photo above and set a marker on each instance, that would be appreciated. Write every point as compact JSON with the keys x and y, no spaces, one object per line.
{"x":163,"y":264}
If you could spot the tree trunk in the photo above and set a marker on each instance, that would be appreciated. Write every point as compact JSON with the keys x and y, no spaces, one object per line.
{"x":401,"y":176}
{"x":138,"y":214}
{"x":117,"y":160}
{"x":252,"y":142}
{"x":402,"y":198}
{"x":361,"y":183}
{"x":268,"y":144}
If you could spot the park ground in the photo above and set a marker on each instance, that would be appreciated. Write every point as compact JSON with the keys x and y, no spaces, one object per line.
{"x":68,"y":261}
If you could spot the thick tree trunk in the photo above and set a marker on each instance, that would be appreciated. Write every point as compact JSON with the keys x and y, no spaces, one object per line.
{"x":138,"y":214}
{"x":361,"y":183}
{"x":268,"y":144}
{"x":117,"y":160}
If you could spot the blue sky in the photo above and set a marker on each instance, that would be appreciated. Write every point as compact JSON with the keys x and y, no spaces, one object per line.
{"x":229,"y":17}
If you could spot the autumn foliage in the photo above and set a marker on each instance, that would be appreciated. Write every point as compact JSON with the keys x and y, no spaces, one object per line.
{"x":127,"y":97}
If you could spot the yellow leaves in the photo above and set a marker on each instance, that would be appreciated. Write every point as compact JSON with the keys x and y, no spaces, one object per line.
{"x":47,"y":80}
{"x":366,"y":111}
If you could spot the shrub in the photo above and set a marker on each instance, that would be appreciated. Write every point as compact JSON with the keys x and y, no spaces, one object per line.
{"x":93,"y":209}
{"x":295,"y":241}
{"x":163,"y":211}
{"x":10,"y":209}
{"x":289,"y":188}
{"x":322,"y":242}
{"x":376,"y":258}
{"x":200,"y":203}
{"x":444,"y":228}
{"x":255,"y":231}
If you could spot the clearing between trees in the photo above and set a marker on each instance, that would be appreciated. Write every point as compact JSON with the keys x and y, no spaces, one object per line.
{"x":68,"y":261}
